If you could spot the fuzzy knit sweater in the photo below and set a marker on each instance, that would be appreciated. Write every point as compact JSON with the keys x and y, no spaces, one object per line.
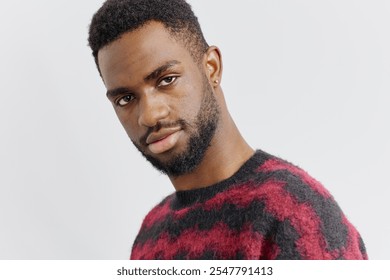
{"x":269,"y":209}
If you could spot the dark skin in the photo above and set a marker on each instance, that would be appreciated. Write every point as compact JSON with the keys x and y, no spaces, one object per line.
{"x":151,"y":77}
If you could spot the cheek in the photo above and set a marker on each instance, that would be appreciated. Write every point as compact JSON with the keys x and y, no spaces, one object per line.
{"x":189,"y":110}
{"x":189,"y":103}
{"x":129,"y":123}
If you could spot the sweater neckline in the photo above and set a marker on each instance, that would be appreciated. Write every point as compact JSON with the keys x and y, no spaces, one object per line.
{"x":188,"y":197}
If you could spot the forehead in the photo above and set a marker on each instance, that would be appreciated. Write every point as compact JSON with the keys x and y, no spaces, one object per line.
{"x":137,"y":53}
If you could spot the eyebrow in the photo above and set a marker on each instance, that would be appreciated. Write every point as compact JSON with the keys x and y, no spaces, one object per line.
{"x":153,"y":75}
{"x":157,"y":72}
{"x":117,"y":91}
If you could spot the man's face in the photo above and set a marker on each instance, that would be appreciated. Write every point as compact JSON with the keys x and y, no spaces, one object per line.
{"x":161,"y":96}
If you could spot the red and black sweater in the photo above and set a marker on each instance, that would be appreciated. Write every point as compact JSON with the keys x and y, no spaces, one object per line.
{"x":269,"y":209}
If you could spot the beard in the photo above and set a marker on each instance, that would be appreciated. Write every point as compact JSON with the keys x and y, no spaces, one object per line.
{"x":202,"y":130}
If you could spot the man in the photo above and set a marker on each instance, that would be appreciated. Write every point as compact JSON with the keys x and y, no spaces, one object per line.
{"x":231,"y":202}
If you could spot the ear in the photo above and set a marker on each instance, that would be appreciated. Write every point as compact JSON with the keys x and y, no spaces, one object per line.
{"x":213,"y":66}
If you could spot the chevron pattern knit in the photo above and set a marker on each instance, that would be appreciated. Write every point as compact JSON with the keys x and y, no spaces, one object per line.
{"x":269,"y":209}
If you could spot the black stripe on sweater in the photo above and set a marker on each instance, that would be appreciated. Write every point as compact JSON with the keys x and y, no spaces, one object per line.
{"x":328,"y":211}
{"x":235,"y":218}
{"x":362,"y":247}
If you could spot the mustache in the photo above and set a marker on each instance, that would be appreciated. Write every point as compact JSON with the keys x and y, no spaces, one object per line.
{"x":161,"y":125}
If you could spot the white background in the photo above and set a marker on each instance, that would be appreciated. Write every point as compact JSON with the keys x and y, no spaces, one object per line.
{"x":306,"y":80}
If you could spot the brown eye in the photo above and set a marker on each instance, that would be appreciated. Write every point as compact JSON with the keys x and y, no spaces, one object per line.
{"x":167,"y":81}
{"x":125,"y":100}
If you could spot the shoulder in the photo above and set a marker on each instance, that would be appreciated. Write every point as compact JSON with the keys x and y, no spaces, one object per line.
{"x":296,"y":180}
{"x":305,"y":214}
{"x":292,"y":194}
{"x":158,"y":212}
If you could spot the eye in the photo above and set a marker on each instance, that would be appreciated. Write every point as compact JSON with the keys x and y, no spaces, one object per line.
{"x":167,"y":81}
{"x":125,"y":100}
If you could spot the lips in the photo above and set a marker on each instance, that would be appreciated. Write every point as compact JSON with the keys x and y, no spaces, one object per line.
{"x":164,"y":140}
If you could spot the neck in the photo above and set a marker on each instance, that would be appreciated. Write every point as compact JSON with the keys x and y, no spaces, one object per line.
{"x":227,"y":153}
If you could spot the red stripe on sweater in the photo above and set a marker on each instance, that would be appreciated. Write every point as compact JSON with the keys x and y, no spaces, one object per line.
{"x":311,"y":244}
{"x":276,"y":164}
{"x":241,"y":196}
{"x":157,"y":214}
{"x":219,"y":239}
{"x":279,"y":203}
{"x":270,"y":250}
{"x":179,"y":214}
{"x":352,"y":251}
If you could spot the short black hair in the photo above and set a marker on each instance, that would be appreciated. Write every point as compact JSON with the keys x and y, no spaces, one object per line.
{"x":117,"y":17}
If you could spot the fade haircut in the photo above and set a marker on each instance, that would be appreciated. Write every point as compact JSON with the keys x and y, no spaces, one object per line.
{"x":117,"y":17}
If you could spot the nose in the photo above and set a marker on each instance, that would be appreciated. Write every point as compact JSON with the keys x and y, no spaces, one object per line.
{"x":152,"y":108}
